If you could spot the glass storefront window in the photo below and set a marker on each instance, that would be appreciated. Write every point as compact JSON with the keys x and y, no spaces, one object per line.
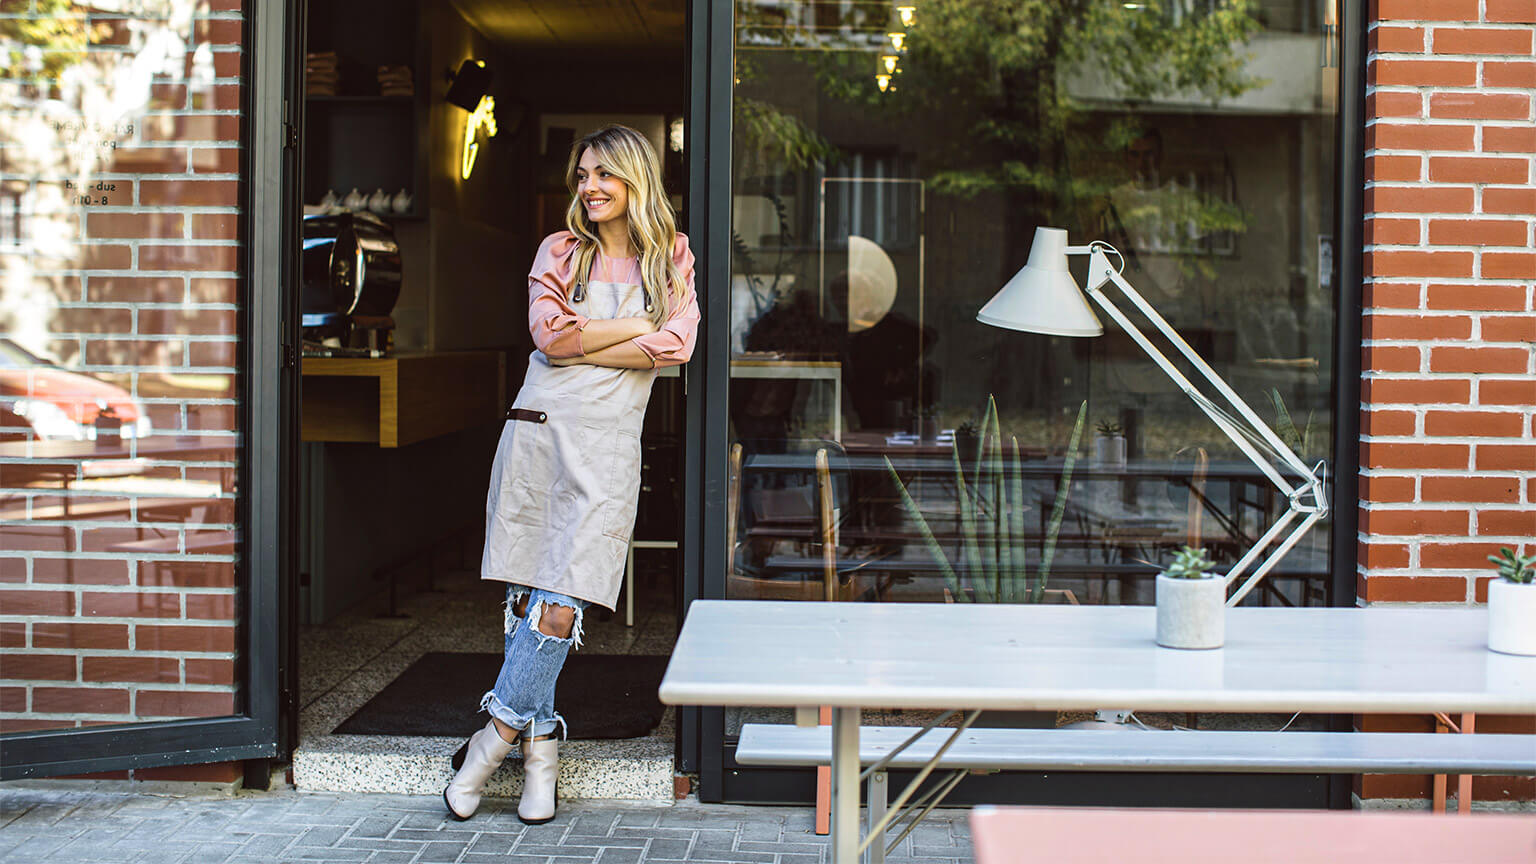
{"x":120,"y":299}
{"x":891,"y":162}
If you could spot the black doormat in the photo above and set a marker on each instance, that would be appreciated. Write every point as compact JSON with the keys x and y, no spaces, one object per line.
{"x":599,"y":695}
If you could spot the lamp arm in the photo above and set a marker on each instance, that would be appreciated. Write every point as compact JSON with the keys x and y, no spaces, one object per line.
{"x":1311,"y":519}
{"x":1163,"y":363}
{"x":1308,"y":500}
{"x":1101,"y":271}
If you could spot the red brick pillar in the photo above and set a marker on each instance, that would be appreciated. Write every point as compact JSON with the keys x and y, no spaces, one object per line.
{"x":1448,"y":457}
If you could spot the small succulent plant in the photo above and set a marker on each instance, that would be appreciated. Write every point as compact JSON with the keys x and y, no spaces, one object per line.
{"x":1519,"y":569}
{"x":1109,"y":428}
{"x":1189,"y":563}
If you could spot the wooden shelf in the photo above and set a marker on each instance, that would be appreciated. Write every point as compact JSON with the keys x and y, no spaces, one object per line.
{"x":361,"y":100}
{"x":396,"y":401}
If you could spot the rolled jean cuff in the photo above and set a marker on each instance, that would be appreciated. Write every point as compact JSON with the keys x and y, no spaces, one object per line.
{"x":521,"y":722}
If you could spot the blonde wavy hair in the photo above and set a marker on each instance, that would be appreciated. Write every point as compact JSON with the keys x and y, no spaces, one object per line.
{"x":627,"y":155}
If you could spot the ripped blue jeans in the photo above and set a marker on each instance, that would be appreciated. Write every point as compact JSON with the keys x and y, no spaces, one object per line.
{"x":524,"y":695}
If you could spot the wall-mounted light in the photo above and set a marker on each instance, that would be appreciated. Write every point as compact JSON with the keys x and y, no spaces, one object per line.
{"x":888,"y":63}
{"x":898,"y":40}
{"x":467,"y":89}
{"x":483,"y":117}
{"x":468,"y":85}
{"x":907,"y":13}
{"x":884,"y":82}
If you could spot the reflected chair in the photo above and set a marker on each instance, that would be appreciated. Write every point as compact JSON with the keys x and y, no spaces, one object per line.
{"x":790,"y":505}
{"x":1197,"y":498}
{"x":786,"y":513}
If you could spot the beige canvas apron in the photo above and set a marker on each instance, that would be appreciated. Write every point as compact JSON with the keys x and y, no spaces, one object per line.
{"x":561,"y":504}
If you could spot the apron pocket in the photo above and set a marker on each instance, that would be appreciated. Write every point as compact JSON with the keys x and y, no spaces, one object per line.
{"x":530,"y":475}
{"x":619,"y":518}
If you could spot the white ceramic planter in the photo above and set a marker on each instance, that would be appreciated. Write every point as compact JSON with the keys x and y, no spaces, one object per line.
{"x":1109,"y":450}
{"x":1512,"y":617}
{"x":1191,"y":613}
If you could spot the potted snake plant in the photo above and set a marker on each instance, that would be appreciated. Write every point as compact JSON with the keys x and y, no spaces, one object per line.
{"x":1512,"y":604}
{"x":1191,"y":603}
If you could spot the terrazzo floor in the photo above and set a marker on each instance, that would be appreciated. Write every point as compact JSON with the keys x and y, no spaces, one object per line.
{"x":345,"y":662}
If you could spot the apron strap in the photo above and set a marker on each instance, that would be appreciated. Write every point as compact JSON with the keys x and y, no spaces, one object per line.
{"x":526,"y":414}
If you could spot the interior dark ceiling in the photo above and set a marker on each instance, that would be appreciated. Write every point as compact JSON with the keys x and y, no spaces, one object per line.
{"x":617,"y":28}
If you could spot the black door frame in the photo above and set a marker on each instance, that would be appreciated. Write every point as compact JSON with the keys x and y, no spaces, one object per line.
{"x":254,"y":733}
{"x":701,"y":745}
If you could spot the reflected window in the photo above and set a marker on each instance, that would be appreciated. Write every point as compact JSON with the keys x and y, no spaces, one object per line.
{"x":889,"y":170}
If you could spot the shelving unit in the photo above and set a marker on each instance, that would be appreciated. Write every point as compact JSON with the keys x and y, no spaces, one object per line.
{"x":361,"y":139}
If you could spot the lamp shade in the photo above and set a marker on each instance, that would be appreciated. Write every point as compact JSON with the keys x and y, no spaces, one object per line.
{"x":1043,"y":297}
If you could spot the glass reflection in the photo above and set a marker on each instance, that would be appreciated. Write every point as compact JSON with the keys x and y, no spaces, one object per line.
{"x":120,"y":129}
{"x":888,"y":178}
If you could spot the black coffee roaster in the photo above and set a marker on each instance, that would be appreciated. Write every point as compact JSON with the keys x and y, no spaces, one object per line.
{"x":351,"y":282}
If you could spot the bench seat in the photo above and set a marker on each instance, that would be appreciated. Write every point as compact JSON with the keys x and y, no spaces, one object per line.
{"x":773,"y":744}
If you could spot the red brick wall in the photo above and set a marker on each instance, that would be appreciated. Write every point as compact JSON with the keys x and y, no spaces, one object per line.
{"x":119,"y":210}
{"x":1447,"y":450}
{"x":1448,"y":453}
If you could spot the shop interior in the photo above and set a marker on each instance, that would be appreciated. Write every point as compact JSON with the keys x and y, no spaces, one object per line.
{"x":435,"y":140}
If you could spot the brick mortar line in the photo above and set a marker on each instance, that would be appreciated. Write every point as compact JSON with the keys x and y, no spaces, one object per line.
{"x":133,"y":590}
{"x":75,"y":651}
{"x":1446,"y":506}
{"x":1397,"y":153}
{"x":1371,"y":375}
{"x":231,"y":438}
{"x":131,"y":272}
{"x":1477,"y":89}
{"x":1436,"y":247}
{"x":130,"y":306}
{"x":1469,"y":342}
{"x":87,"y":522}
{"x":172,"y":558}
{"x":1450,"y":184}
{"x":1493,"y":440}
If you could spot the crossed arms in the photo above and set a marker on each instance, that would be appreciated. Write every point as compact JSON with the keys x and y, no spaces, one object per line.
{"x":610,"y":342}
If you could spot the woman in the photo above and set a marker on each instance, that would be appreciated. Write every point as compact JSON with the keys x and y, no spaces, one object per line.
{"x":610,"y":301}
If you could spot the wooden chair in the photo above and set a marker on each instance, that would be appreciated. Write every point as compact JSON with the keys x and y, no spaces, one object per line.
{"x":1197,"y":498}
{"x":823,"y":518}
{"x":831,"y":587}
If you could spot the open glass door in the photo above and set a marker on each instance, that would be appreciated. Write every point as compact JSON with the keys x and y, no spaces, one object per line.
{"x":142,"y":151}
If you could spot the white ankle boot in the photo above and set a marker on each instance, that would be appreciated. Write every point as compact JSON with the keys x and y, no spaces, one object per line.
{"x":476,"y":761}
{"x":541,"y":768}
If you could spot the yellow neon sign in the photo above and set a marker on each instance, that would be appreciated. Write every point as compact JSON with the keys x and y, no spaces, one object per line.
{"x":483,"y":117}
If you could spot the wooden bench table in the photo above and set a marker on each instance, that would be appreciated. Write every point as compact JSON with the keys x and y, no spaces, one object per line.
{"x":852,"y":656}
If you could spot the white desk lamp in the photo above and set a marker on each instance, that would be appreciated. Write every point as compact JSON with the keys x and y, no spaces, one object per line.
{"x":1043,"y":298}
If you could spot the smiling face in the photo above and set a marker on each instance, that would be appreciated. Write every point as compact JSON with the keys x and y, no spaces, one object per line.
{"x":602,"y":193}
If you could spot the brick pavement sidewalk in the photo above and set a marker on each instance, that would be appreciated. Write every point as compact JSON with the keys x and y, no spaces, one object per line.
{"x":61,"y":825}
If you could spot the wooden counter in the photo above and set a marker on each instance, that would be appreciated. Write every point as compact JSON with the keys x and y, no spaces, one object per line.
{"x":399,"y":400}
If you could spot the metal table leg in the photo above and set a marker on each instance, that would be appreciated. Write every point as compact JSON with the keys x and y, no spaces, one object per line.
{"x":845,"y":785}
{"x":875,"y":799}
